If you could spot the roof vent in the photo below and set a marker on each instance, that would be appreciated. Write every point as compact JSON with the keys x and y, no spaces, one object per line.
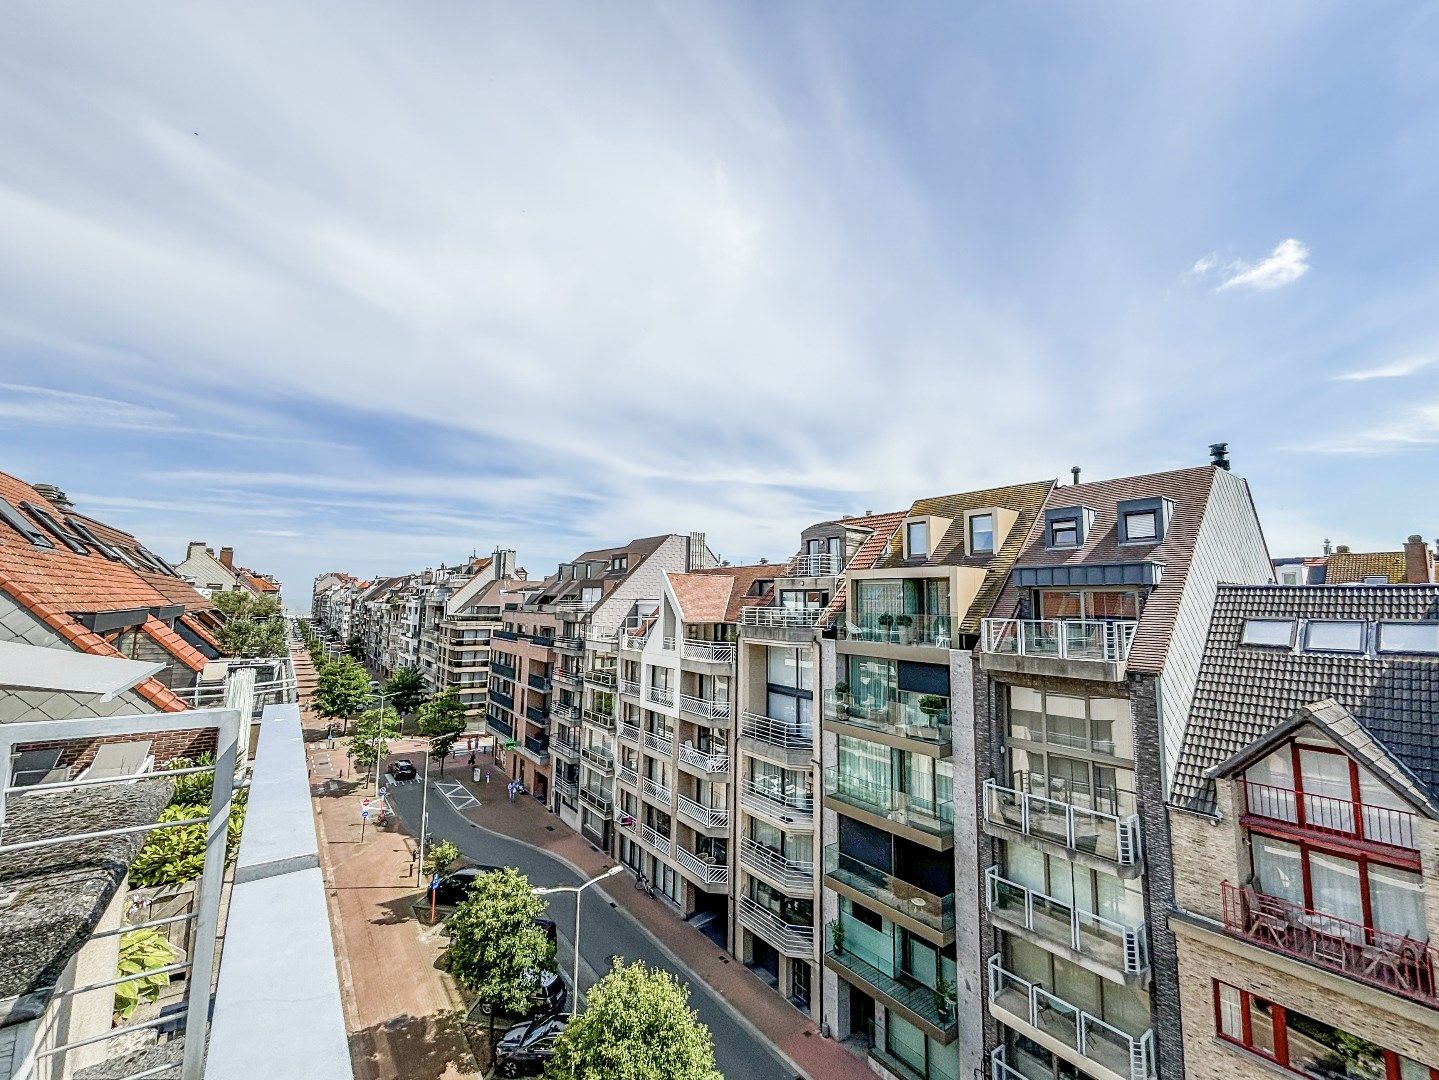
{"x":1342,"y":549}
{"x":54,"y":495}
{"x":1219,"y":455}
{"x":1074,"y":471}
{"x":1328,"y":548}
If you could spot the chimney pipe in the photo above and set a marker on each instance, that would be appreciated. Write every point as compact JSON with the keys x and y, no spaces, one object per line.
{"x":54,"y":495}
{"x":1074,"y":471}
{"x":1219,"y":455}
{"x":1327,"y":548}
{"x":504,"y":563}
{"x":227,"y":558}
{"x":696,"y":557}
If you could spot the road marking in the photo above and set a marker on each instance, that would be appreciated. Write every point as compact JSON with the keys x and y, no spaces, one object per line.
{"x":457,"y":795}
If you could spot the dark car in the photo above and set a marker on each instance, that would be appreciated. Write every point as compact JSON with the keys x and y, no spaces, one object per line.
{"x":524,"y":1049}
{"x":402,"y":770}
{"x":552,"y":995}
{"x":455,"y":886}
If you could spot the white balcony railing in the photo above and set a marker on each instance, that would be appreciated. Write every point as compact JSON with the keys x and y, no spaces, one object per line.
{"x":780,"y":616}
{"x":792,"y":874}
{"x":597,"y":801}
{"x":706,"y":762}
{"x":713,"y":817}
{"x":630,"y":686}
{"x":1107,"y":836}
{"x":657,"y":840}
{"x":1118,"y":946}
{"x":632,"y":640}
{"x":821,"y":565}
{"x":1106,"y":640}
{"x":660,"y":744}
{"x":704,"y":708}
{"x":792,"y":939}
{"x":629,"y":732}
{"x":1094,"y":1039}
{"x":660,"y":695}
{"x":656,"y":790}
{"x":709,"y":652}
{"x":627,"y":774}
{"x":708,"y":872}
{"x":786,"y":736}
{"x":794,"y":805}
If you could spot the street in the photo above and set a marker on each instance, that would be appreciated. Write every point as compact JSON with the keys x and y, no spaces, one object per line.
{"x":605,"y":932}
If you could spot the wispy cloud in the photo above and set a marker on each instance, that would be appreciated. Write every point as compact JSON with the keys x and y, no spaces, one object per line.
{"x":1286,"y":264}
{"x":1413,"y":428}
{"x":1398,"y":369}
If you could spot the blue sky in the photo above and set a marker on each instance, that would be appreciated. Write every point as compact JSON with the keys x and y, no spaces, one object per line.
{"x":369,"y":287}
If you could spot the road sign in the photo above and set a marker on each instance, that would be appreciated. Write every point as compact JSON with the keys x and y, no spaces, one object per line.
{"x":365,"y":803}
{"x":434,"y":881}
{"x":365,"y":813}
{"x":384,"y":790}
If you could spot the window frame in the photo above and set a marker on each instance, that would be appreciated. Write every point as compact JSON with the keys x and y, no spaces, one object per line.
{"x":1380,"y":647}
{"x":1068,"y":525}
{"x":1244,"y":631}
{"x":1363,"y":626}
{"x":971,"y":548}
{"x":909,"y":527}
{"x":1143,"y":538}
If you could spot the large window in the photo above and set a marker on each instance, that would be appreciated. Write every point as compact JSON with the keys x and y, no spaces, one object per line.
{"x":1273,"y":633}
{"x":1410,"y":637}
{"x":981,"y":533}
{"x":1099,"y":726}
{"x":916,"y":539}
{"x":1305,"y":1045}
{"x":1355,"y":893}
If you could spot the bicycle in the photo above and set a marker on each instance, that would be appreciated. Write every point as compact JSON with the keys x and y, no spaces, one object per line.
{"x":642,"y":884}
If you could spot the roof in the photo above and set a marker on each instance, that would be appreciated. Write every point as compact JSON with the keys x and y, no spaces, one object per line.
{"x":1188,"y":492}
{"x":881,"y":528}
{"x":34,"y":667}
{"x":175,"y":590}
{"x":1244,"y":691}
{"x":255,"y":581}
{"x":174,"y":644}
{"x":1346,"y":567}
{"x":717,"y":594}
{"x":57,"y":895}
{"x":200,"y":631}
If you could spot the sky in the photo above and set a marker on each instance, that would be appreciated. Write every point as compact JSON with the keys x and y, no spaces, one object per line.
{"x":376,"y":286}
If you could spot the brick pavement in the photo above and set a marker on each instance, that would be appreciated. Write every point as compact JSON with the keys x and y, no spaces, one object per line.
{"x":400,"y":1009}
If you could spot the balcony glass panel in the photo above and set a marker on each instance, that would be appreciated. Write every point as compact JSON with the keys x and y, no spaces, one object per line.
{"x":934,"y":911}
{"x":897,"y":712}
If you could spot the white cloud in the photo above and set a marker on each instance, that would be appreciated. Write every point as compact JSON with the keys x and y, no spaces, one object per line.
{"x":1414,"y":428}
{"x":1286,"y":264}
{"x":1397,"y":369}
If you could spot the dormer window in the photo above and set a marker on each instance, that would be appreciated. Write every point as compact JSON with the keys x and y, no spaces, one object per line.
{"x":1141,"y":525}
{"x":619,"y":563}
{"x":916,"y":539}
{"x":1064,"y":532}
{"x":981,"y":533}
{"x":1142,"y":521}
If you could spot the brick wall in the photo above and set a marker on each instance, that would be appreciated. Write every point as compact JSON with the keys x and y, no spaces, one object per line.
{"x":77,"y":754}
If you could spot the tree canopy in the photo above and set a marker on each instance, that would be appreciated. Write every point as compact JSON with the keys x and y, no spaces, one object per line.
{"x":371,"y":735}
{"x":637,"y":1023}
{"x":341,"y":689}
{"x":498,"y":950}
{"x":253,"y":626}
{"x":406,"y":689}
{"x":442,"y":720}
{"x":236,"y":603}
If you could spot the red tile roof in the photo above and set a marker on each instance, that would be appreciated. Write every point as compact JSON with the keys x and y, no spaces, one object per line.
{"x":174,"y":644}
{"x":717,"y":594}
{"x":256,"y":582}
{"x":198,"y":628}
{"x":175,"y":590}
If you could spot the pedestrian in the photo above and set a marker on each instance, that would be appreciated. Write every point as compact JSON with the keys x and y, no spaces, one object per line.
{"x":512,"y":791}
{"x":472,"y":760}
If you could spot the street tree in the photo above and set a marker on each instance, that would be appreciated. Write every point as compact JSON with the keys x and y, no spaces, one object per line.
{"x":245,"y":637}
{"x":355,"y":647}
{"x":637,"y":1023}
{"x":442,"y":721}
{"x":236,"y":603}
{"x":341,"y":689}
{"x":441,"y":857}
{"x":370,"y":738}
{"x":498,"y":951}
{"x":406,"y":690}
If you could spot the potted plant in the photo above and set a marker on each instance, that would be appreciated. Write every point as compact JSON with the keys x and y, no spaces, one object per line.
{"x":944,"y":997}
{"x":836,"y":934}
{"x":931,"y":705}
{"x":902,"y":624}
{"x":885,"y":622}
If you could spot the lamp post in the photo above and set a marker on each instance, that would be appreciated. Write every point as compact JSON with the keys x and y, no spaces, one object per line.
{"x":379,"y":731}
{"x":424,"y":815}
{"x":577,"y":890}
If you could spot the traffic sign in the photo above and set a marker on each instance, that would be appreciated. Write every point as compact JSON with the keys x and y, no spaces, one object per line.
{"x":434,"y":881}
{"x":384,"y":790}
{"x":365,"y":813}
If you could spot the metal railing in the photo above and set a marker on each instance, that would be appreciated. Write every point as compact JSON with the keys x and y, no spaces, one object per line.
{"x":821,"y":565}
{"x":708,"y":652}
{"x":929,"y":813}
{"x":1107,"y":836}
{"x":659,"y":695}
{"x":936,"y":912}
{"x":1106,"y":640}
{"x":600,"y":718}
{"x":567,"y":788}
{"x":778,"y":733}
{"x":708,"y":872}
{"x":711,"y":817}
{"x":780,"y":616}
{"x":572,"y":679}
{"x":629,"y":732}
{"x":792,"y":939}
{"x":660,"y":744}
{"x":567,"y":643}
{"x":1332,"y":816}
{"x":630,"y":686}
{"x":565,"y":748}
{"x":899,"y":715}
{"x":505,"y":671}
{"x":705,"y":761}
{"x":539,"y":682}
{"x":790,"y":873}
{"x":627,"y":774}
{"x":668,"y":644}
{"x":656,"y":790}
{"x":1121,"y":947}
{"x":599,"y":757}
{"x":901,"y":628}
{"x":600,"y":640}
{"x":565,"y":711}
{"x":1099,"y":1041}
{"x":605,"y":677}
{"x":792,"y":803}
{"x":659,"y":841}
{"x":887,"y":976}
{"x":704,"y":708}
{"x":1392,"y":962}
{"x":630,"y":640}
{"x":597,"y":801}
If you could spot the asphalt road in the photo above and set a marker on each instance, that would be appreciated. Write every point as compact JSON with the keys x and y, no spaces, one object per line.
{"x":604,"y":931}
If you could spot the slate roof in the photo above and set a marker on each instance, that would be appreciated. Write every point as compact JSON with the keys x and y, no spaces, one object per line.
{"x":1346,"y":567}
{"x":54,"y":896}
{"x":1187,"y":489}
{"x":1244,"y":691}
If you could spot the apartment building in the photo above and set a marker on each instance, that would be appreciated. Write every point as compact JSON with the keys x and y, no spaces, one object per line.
{"x":1305,"y":822}
{"x":522,"y":660}
{"x":464,"y":627}
{"x":437,"y":587}
{"x":1086,"y":670}
{"x":211,"y":573}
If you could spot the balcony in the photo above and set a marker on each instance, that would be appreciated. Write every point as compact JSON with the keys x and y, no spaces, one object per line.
{"x":1070,"y":648}
{"x":705,"y":762}
{"x":563,"y":710}
{"x":566,"y":788}
{"x":568,"y":678}
{"x":779,"y":617}
{"x":900,"y":628}
{"x":565,"y":748}
{"x":634,"y":641}
{"x":778,"y":740}
{"x":1109,"y":945}
{"x":708,"y":652}
{"x":603,"y":677}
{"x":659,"y":695}
{"x":627,"y":774}
{"x":659,"y":841}
{"x":1109,"y":837}
{"x":657,"y":790}
{"x":709,"y":874}
{"x":792,"y":939}
{"x":814,"y":566}
{"x":930,"y":815}
{"x":600,"y":758}
{"x":896,"y":894}
{"x":901,"y":716}
{"x":1083,"y":1040}
{"x":600,"y":718}
{"x":708,"y":817}
{"x":500,"y":727}
{"x":660,"y":744}
{"x":790,"y":874}
{"x":503,"y":670}
{"x":499,"y":697}
{"x":570,"y":644}
{"x":629,"y":732}
{"x":535,"y":715}
{"x":630,"y":686}
{"x":1391,"y":962}
{"x":789,"y":804}
{"x":871,"y":959}
{"x":704,"y":708}
{"x":539,"y":682}
{"x":537,"y":749}
{"x":600,"y":641}
{"x":597,"y":801}
{"x":1323,"y":814}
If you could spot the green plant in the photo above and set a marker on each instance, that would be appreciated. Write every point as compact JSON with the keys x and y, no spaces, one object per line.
{"x":440,"y":857}
{"x":903,"y":620}
{"x":841,"y":690}
{"x":442,"y":719}
{"x":195,"y":788}
{"x":931,"y":704}
{"x":497,"y":949}
{"x":943,"y":995}
{"x":886,"y":620}
{"x":177,"y":855}
{"x":141,"y":952}
{"x":406,"y":689}
{"x":637,"y":1024}
{"x":836,"y":934}
{"x":370,"y":739}
{"x":342,"y":688}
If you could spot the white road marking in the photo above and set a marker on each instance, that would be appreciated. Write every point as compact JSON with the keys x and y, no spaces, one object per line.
{"x":457,"y":795}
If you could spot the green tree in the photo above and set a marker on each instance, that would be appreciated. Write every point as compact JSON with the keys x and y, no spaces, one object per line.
{"x":442,"y":720}
{"x":355,"y":647}
{"x":498,"y":951}
{"x":440,"y":857}
{"x":370,"y":739}
{"x":341,"y":689}
{"x":406,"y":690}
{"x":637,"y":1023}
{"x":252,"y":637}
{"x":239,"y":604}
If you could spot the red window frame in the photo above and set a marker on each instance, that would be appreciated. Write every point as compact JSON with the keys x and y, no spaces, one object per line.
{"x":1280,"y":1014}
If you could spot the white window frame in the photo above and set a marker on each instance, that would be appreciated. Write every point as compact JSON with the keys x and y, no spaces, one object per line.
{"x":969,"y":545}
{"x":909,"y":527}
{"x":1147,"y":538}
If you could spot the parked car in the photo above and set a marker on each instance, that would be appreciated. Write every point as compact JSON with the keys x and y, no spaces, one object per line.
{"x":456,"y":885}
{"x":552,"y":995}
{"x":525,"y":1048}
{"x":402,"y":770}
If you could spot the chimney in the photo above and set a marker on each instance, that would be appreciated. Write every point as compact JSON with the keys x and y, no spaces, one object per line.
{"x":54,"y":495}
{"x":1074,"y":471}
{"x":504,"y":563}
{"x":1418,"y":561}
{"x":227,"y":558}
{"x":1327,"y":548}
{"x":696,"y":554}
{"x":193,"y":548}
{"x":1342,"y":549}
{"x":1219,"y":455}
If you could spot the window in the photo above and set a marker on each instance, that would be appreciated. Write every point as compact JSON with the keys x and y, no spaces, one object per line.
{"x":1064,"y":532}
{"x":1141,"y":525}
{"x":1272,"y":633}
{"x":54,"y":528}
{"x":18,"y":522}
{"x":1290,"y":577}
{"x":1409,"y":637}
{"x":981,"y":533}
{"x":916,"y":539}
{"x":1305,"y":1045}
{"x":619,"y":562}
{"x":1142,"y":521}
{"x":1334,"y":637}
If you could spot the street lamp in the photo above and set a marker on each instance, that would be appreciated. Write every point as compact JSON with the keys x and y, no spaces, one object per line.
{"x":424,"y":813}
{"x":379,"y":730}
{"x":577,"y":889}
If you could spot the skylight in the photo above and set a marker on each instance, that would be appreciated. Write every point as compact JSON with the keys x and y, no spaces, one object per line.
{"x":21,"y":525}
{"x":1268,"y":632}
{"x":1409,"y":637}
{"x":1334,"y":637}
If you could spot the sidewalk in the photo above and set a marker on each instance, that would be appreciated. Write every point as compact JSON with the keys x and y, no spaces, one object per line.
{"x":530,"y":822}
{"x":400,"y":1009}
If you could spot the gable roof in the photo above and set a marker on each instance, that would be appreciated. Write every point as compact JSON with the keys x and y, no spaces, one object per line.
{"x":882,"y":527}
{"x":174,"y":589}
{"x":1346,"y":567}
{"x":174,"y":644}
{"x":718,"y":594}
{"x":1244,"y":691}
